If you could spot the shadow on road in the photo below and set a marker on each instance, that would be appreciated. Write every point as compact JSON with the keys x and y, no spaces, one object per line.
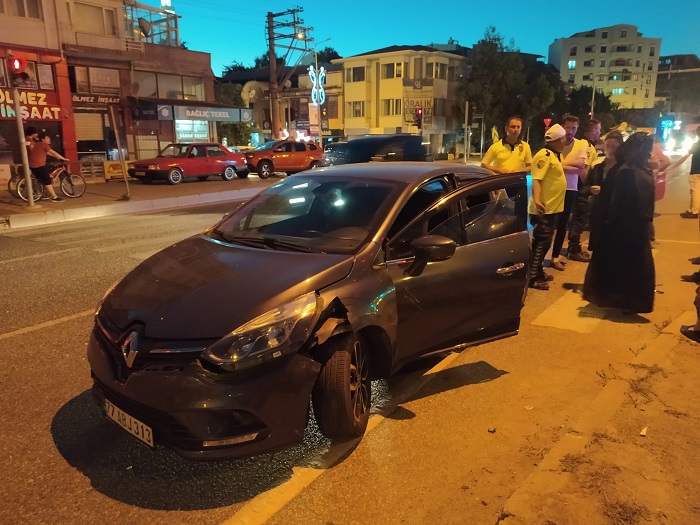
{"x":122,"y":469}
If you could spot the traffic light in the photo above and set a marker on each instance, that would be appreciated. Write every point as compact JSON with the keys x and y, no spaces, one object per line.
{"x":418,"y":118}
{"x":17,"y":67}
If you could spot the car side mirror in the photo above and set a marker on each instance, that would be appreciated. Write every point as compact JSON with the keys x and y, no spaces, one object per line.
{"x":429,"y":248}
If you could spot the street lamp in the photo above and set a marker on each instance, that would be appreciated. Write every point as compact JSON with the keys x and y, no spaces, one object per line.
{"x":595,"y":75}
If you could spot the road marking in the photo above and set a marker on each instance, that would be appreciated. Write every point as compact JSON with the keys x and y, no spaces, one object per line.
{"x":571,"y":312}
{"x":38,"y":255}
{"x":266,"y":504}
{"x":47,"y":324}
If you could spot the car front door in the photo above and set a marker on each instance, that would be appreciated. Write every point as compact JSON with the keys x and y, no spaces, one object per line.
{"x":197,"y":162}
{"x":282,"y":156}
{"x":478,"y":293}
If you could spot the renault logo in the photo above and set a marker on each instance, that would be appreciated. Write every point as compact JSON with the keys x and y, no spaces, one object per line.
{"x":130,"y":348}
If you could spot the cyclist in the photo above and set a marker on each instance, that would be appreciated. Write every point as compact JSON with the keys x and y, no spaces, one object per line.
{"x":37,"y":163}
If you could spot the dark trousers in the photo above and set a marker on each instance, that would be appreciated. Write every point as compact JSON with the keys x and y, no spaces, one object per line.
{"x":579,"y":215}
{"x":542,"y":233}
{"x":563,"y":221}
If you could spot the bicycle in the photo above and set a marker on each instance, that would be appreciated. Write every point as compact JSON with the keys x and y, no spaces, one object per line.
{"x":72,"y":184}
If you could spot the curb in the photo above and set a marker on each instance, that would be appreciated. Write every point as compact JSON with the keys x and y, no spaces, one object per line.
{"x":42,"y":218}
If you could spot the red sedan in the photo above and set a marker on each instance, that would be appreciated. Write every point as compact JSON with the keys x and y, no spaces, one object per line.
{"x":200,"y":160}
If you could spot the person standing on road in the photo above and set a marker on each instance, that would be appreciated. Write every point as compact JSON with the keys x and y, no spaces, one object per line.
{"x":510,"y":154}
{"x":596,"y":181}
{"x":621,"y":272}
{"x":546,"y":203}
{"x":693,"y":177}
{"x":37,"y":163}
{"x":574,"y":158}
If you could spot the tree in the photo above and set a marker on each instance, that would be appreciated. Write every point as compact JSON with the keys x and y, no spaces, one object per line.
{"x":234,"y":67}
{"x":235,"y":132}
{"x":327,"y":54}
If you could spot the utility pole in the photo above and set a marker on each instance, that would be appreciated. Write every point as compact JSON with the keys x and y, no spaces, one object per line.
{"x":272,"y":25}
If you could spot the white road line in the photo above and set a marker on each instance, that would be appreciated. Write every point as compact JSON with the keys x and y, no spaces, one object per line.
{"x":265,"y":505}
{"x":571,"y":312}
{"x":47,"y":324}
{"x":38,"y":255}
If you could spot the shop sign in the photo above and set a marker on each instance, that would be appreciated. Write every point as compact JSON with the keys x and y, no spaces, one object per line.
{"x":212,"y":114}
{"x":95,"y":99}
{"x":34,"y":105}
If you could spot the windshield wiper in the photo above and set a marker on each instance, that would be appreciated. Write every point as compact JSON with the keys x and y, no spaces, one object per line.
{"x":276,"y":243}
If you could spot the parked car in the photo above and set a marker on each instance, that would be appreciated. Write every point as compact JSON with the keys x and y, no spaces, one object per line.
{"x":377,"y":148}
{"x":200,"y":160}
{"x":289,"y":156}
{"x":209,"y":348}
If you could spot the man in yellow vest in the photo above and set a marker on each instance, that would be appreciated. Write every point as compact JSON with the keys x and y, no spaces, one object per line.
{"x":510,"y":154}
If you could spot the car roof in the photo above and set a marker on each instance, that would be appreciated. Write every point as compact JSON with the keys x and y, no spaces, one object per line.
{"x":408,"y":172}
{"x":194,"y":144}
{"x":382,"y":138}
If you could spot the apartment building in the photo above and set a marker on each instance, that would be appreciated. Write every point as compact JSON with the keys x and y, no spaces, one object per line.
{"x":106,"y":65}
{"x":615,"y":60}
{"x":388,"y":90}
{"x":677,"y":84}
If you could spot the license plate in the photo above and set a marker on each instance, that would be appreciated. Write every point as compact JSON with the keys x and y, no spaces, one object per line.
{"x":141,"y":173}
{"x":133,"y":426}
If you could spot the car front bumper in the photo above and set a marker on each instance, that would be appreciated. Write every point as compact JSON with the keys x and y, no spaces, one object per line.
{"x":206,"y":416}
{"x":138,"y":173}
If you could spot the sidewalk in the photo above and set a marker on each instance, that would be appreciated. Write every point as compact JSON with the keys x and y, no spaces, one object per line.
{"x":109,"y":198}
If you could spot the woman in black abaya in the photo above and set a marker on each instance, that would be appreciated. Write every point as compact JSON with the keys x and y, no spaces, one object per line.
{"x":621,"y":272}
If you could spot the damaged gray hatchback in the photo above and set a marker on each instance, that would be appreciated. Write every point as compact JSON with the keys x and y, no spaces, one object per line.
{"x":218,"y":346}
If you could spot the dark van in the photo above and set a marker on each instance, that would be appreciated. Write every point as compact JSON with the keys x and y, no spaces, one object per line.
{"x":376,"y":148}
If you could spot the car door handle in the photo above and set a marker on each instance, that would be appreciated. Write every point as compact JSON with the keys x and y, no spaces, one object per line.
{"x":510,"y":269}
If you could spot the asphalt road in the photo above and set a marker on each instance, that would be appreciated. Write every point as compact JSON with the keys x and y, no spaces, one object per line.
{"x":451,"y":440}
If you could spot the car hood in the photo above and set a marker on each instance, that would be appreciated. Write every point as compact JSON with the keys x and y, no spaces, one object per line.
{"x":202,"y":289}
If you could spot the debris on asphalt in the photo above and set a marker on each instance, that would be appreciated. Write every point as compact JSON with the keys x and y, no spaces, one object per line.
{"x":643,"y":432}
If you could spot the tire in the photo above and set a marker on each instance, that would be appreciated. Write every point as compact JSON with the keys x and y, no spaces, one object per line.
{"x":202,"y":177}
{"x":229,"y":173}
{"x":342,"y":393}
{"x":243,"y":174}
{"x":265,"y":169}
{"x":314,"y":164}
{"x":174,"y":176}
{"x":37,"y":189}
{"x":72,"y":186}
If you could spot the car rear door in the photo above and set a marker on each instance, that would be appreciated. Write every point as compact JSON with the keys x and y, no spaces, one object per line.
{"x":218,"y":160}
{"x":197,"y":162}
{"x":478,"y":293}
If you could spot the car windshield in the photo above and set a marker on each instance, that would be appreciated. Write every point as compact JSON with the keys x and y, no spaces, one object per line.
{"x":174,"y":150}
{"x":268,"y":145}
{"x":320,"y":214}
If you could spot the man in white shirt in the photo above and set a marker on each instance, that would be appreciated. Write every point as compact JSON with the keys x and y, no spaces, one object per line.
{"x":574,"y":159}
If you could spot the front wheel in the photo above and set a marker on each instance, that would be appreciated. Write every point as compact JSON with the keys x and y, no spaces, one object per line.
{"x":342,"y":393}
{"x":174,"y":176}
{"x":37,"y":189}
{"x":314,"y":164}
{"x":72,"y":185}
{"x":265,"y":169}
{"x":229,"y":173}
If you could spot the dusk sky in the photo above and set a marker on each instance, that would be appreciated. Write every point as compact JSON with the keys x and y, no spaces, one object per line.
{"x":236,"y":31}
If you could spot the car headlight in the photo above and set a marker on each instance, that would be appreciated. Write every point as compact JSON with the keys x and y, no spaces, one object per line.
{"x":278,"y":332}
{"x":152,"y":167}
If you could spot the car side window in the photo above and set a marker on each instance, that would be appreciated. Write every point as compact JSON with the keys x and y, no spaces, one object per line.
{"x":298,"y":146}
{"x":389,"y":152}
{"x":215,"y":151}
{"x":312,"y":147}
{"x":285,"y":148}
{"x":198,"y":151}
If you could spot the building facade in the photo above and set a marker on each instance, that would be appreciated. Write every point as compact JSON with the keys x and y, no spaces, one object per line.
{"x":677,"y":84}
{"x":617,"y":61}
{"x":112,"y":69}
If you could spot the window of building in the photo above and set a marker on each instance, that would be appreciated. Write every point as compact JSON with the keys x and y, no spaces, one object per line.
{"x":355,"y":74}
{"x":618,"y":91}
{"x":572,"y":64}
{"x":144,"y":84}
{"x":393,"y":70}
{"x":355,"y":109}
{"x":193,"y":88}
{"x":23,"y":8}
{"x":170,"y":86}
{"x":604,"y":34}
{"x":391,"y":106}
{"x":94,"y":19}
{"x":587,"y":77}
{"x":572,"y":51}
{"x":639,"y":49}
{"x":602,"y":63}
{"x":646,"y":93}
{"x":651,"y":65}
{"x":634,"y":91}
{"x":417,"y":68}
{"x":572,"y":78}
{"x":652,"y":51}
{"x":637,"y":64}
{"x":623,"y":33}
{"x":430,"y":70}
{"x":603,"y":49}
{"x":330,"y":110}
{"x":441,"y":71}
{"x":589,"y":49}
{"x":588,"y":63}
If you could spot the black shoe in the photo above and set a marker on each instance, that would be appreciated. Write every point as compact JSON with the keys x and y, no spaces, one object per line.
{"x":690,"y":333}
{"x":695,"y":260}
{"x":689,"y":215}
{"x":692,"y":278}
{"x":538,"y":284}
{"x":545,"y":277}
{"x":557,"y":265}
{"x":580,"y":256}
{"x":57,"y":199}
